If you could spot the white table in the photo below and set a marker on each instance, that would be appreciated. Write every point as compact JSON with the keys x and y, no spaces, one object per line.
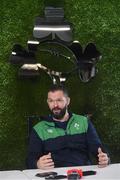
{"x":111,"y":172}
{"x":13,"y":175}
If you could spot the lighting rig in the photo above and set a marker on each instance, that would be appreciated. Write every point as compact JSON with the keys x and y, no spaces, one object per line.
{"x":54,"y":29}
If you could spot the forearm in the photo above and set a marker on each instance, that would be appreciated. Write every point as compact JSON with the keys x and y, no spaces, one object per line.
{"x":34,"y":150}
{"x":95,"y":146}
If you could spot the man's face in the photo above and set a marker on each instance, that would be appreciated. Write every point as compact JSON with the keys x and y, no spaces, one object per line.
{"x":58,"y":103}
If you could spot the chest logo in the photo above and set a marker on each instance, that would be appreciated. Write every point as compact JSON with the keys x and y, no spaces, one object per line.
{"x":49,"y":130}
{"x":76,"y":125}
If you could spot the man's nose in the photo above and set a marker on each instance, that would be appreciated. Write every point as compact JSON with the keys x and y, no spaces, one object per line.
{"x":55,"y":103}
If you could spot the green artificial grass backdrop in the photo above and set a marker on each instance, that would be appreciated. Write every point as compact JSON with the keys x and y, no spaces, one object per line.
{"x":93,"y":21}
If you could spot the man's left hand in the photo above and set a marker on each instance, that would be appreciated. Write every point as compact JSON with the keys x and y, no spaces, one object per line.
{"x":103,"y":159}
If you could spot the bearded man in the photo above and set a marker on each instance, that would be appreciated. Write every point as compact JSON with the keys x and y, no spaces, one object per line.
{"x":63,"y":138}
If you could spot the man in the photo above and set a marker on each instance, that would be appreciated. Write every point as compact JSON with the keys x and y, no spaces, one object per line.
{"x":63,"y":138}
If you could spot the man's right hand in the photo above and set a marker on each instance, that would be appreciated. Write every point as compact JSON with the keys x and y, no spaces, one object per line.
{"x":45,"y":162}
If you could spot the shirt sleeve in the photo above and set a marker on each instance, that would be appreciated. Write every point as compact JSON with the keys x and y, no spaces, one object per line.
{"x":93,"y":139}
{"x":35,"y":150}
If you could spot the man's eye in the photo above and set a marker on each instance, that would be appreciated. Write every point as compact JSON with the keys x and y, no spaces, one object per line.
{"x":50,"y":101}
{"x":59,"y":100}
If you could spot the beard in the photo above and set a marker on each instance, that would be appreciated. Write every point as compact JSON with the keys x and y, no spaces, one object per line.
{"x":58,"y":113}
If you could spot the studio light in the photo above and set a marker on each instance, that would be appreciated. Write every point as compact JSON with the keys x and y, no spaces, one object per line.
{"x":33,"y":71}
{"x":29,"y":71}
{"x":53,"y":26}
{"x":32,"y":45}
{"x":86,"y":60}
{"x":21,"y":56}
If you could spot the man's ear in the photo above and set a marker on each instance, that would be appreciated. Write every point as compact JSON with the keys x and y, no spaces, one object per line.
{"x":68,"y":100}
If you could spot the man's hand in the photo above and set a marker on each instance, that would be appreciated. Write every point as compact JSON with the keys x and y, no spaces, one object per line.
{"x":102,"y":158}
{"x":45,"y":162}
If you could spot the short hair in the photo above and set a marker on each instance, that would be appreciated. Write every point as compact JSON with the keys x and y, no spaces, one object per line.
{"x":56,"y":87}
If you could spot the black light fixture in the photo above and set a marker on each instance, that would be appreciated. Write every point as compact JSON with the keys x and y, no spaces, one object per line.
{"x":29,"y":68}
{"x":54,"y":29}
{"x":33,"y":71}
{"x":86,"y":60}
{"x":21,"y":56}
{"x":53,"y":26}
